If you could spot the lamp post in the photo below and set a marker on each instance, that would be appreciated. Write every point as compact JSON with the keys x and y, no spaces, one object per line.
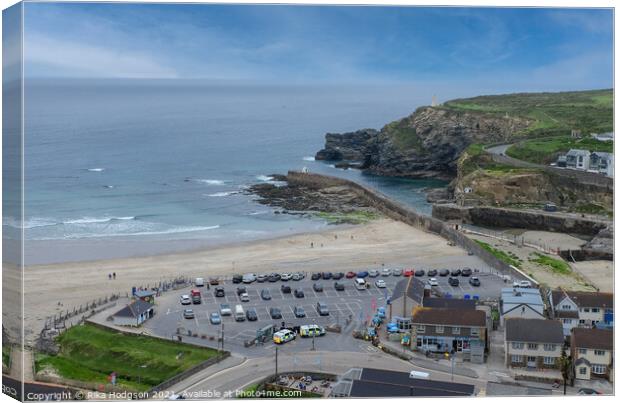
{"x":276,"y":363}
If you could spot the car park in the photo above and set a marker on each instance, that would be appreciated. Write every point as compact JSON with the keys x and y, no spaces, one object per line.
{"x":185,"y":300}
{"x":318,"y":287}
{"x":380,"y":283}
{"x":265,"y":294}
{"x":275,"y":313}
{"x":299,"y":293}
{"x":444,"y":272}
{"x":286,"y":289}
{"x":261,"y":278}
{"x":326,"y":275}
{"x":321,"y":309}
{"x":397,"y":272}
{"x":386,"y":272}
{"x":350,"y":274}
{"x":245,"y":297}
{"x":453,"y":281}
{"x":339,"y":286}
{"x":433,"y":281}
{"x":432,"y":273}
{"x":362,"y":274}
{"x":273,"y":277}
{"x":251,"y":314}
{"x":455,"y":272}
{"x":219,"y":291}
{"x":474,"y":281}
{"x":225,"y":310}
{"x":420,"y":273}
{"x":311,"y":331}
{"x":315,"y":276}
{"x":373,"y":273}
{"x":241,"y":290}
{"x":215,"y":318}
{"x":299,"y":312}
{"x":466,"y":272}
{"x":189,"y":313}
{"x":237,"y":278}
{"x":283,"y":336}
{"x":285,"y":276}
{"x":338,"y":276}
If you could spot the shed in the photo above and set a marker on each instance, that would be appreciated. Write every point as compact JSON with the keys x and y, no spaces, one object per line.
{"x":134,"y":313}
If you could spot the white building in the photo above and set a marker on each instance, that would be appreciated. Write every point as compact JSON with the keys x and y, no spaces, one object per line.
{"x":582,"y":309}
{"x":523,"y":303}
{"x":603,"y":163}
{"x":578,"y":159}
{"x":134,"y":314}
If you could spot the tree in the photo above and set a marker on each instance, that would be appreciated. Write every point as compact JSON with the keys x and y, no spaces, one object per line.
{"x":566,"y":366}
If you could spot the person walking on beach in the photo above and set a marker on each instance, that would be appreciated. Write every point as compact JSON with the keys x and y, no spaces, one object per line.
{"x":114,"y":275}
{"x":109,"y":276}
{"x":312,"y":244}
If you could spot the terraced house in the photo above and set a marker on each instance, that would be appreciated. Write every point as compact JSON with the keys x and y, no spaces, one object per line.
{"x":533,"y":343}
{"x":592,"y":352}
{"x":582,"y":309}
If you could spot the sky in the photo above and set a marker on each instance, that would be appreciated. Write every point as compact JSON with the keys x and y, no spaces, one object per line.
{"x":529,"y":48}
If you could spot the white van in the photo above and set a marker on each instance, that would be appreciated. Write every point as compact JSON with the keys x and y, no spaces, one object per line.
{"x":360,"y":283}
{"x":239,"y":313}
{"x":200,"y":282}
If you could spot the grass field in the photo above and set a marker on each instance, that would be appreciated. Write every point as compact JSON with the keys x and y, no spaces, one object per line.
{"x":89,"y":353}
{"x":556,"y":265}
{"x":544,"y":151}
{"x":500,"y":254}
{"x":354,"y":217}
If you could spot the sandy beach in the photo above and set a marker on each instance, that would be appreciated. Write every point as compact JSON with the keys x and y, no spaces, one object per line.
{"x":58,"y":287}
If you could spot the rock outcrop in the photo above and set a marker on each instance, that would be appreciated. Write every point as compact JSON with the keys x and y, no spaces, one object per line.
{"x":427,"y":143}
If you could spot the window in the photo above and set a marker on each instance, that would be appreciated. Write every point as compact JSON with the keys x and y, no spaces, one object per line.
{"x":567,"y":307}
{"x":595,"y":310}
{"x":582,"y":350}
{"x":583,"y":370}
{"x":549,"y":360}
{"x":456,"y":330}
{"x":582,"y":321}
{"x":532,"y":346}
{"x":517,"y":346}
{"x":550,"y":347}
{"x":421,"y":328}
{"x":599,"y":352}
{"x":516,"y":358}
{"x":439,"y":329}
{"x":586,"y":309}
{"x":567,"y":321}
{"x":598,"y":369}
{"x":474,"y":331}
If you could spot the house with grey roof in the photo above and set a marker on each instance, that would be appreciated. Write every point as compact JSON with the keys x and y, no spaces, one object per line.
{"x":517,"y":302}
{"x":134,"y":313}
{"x":584,"y":309}
{"x":533,"y":343}
{"x":578,"y":159}
{"x":407,"y":295}
{"x":603,"y":163}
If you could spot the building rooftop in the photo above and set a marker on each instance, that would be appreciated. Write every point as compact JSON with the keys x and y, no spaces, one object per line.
{"x":449,"y":317}
{"x":451,"y":303}
{"x":576,"y":152}
{"x":534,"y":330}
{"x":412,"y":286}
{"x":134,"y":309}
{"x":597,"y":339}
{"x":585,"y":298}
{"x":520,"y":296}
{"x":144,"y":293}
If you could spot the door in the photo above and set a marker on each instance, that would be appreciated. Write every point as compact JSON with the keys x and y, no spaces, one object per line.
{"x":531,"y":361}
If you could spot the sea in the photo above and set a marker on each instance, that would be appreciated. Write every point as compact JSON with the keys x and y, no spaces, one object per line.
{"x":120,"y":168}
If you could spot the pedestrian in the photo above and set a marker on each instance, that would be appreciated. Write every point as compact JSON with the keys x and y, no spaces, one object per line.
{"x":208,"y":287}
{"x":335,"y":236}
{"x":114,"y":275}
{"x":312,"y":244}
{"x":109,"y":276}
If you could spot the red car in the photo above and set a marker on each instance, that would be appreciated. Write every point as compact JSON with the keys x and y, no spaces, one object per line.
{"x":408,"y":272}
{"x":350,"y":274}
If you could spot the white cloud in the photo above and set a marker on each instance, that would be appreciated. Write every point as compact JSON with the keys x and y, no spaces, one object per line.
{"x":71,"y":58}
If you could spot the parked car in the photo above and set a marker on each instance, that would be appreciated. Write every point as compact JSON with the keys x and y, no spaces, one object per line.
{"x":350,"y":274}
{"x":455,"y":272}
{"x":318,"y":287}
{"x":432,"y":273}
{"x":285,"y":276}
{"x":380,"y":283}
{"x":326,"y":275}
{"x":274,"y":277}
{"x":225,"y":310}
{"x":444,"y":272}
{"x":251,"y":314}
{"x":453,"y":281}
{"x":219,"y":291}
{"x":237,"y":278}
{"x":245,"y":297}
{"x":214,"y":281}
{"x":322,"y":309}
{"x":249,"y":278}
{"x":311,"y":331}
{"x":338,"y":276}
{"x":397,"y":272}
{"x":299,"y":293}
{"x":408,"y":272}
{"x":241,"y":290}
{"x":474,"y":281}
{"x":339,"y":286}
{"x":362,"y":274}
{"x":433,"y":281}
{"x":186,"y":300}
{"x":265,"y":294}
{"x":315,"y":276}
{"x":299,"y":312}
{"x":283,"y":336}
{"x":275,"y":313}
{"x":261,"y":278}
{"x":189,"y":313}
{"x":215,"y":318}
{"x":286,"y":289}
{"x":373,"y":273}
{"x":588,"y":391}
{"x":295,"y":277}
{"x":386,"y":272}
{"x":522,"y":284}
{"x":420,"y":273}
{"x":466,"y":272}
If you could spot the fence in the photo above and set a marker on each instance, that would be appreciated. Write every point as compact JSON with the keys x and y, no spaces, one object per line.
{"x":518,"y":240}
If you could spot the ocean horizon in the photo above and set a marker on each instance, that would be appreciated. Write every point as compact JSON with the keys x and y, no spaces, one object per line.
{"x":119,"y":168}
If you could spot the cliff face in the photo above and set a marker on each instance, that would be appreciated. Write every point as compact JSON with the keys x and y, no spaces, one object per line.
{"x":425,"y":144}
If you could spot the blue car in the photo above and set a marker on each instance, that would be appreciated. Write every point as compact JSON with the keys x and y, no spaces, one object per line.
{"x":392,"y":327}
{"x":215,"y":318}
{"x":362,"y":274}
{"x":381,"y":312}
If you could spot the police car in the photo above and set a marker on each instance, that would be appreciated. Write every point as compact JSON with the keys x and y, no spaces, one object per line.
{"x":283,"y":336}
{"x":311,"y":331}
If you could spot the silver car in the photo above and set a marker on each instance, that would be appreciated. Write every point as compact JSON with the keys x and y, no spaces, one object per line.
{"x":373,"y":273}
{"x":397,"y":272}
{"x":386,"y":272}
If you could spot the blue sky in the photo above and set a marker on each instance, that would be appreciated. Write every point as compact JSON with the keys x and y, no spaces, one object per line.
{"x":525,"y":49}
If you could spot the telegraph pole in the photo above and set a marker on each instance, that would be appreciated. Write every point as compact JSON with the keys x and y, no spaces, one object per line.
{"x":276,"y":363}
